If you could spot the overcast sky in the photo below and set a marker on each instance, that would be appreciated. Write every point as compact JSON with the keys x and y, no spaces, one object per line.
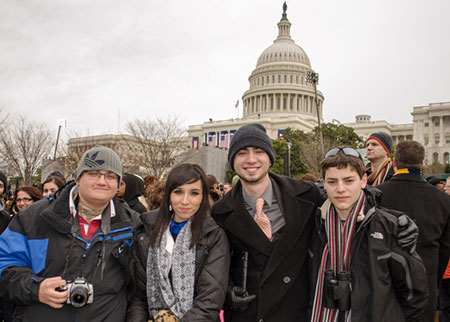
{"x":90,"y":61}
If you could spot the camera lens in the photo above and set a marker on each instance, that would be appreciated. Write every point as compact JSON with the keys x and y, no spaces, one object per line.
{"x":79,"y":296}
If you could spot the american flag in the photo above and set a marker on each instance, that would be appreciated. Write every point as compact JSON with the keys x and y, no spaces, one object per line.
{"x":237,"y":104}
{"x":195,"y":141}
{"x":231,"y":134}
{"x":280,"y":134}
{"x":212,"y":139}
{"x":224,"y":139}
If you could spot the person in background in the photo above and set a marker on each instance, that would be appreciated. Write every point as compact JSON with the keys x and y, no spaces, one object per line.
{"x":155,"y":195}
{"x":447,"y":186}
{"x":26,"y":196}
{"x":378,"y":149}
{"x":4,"y":213}
{"x":51,"y":185}
{"x":131,"y":188}
{"x":429,"y":207}
{"x":444,"y":296}
{"x":182,"y":255}
{"x":437,"y":182}
{"x":226,"y":188}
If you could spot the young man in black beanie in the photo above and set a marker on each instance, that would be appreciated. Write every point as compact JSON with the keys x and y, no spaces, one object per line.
{"x":275,"y":239}
{"x":269,"y":220}
{"x":378,"y":147}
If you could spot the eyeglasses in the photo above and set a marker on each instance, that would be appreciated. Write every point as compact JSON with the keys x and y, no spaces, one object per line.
{"x":23,"y":200}
{"x":109,"y":176}
{"x":346,"y":151}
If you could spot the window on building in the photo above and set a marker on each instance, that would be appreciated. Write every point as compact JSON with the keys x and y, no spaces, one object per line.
{"x":273,"y":78}
{"x":279,"y":78}
{"x":436,"y":139}
{"x":447,"y":139}
{"x":285,"y":78}
{"x":436,"y":124}
{"x":426,"y":141}
{"x":426,"y":124}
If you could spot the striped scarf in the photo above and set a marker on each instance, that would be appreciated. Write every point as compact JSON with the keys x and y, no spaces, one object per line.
{"x":379,"y":176}
{"x":335,"y":257}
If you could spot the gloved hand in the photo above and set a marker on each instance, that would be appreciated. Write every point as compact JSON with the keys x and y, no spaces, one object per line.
{"x":238,"y":298}
{"x":407,"y":234}
{"x":165,"y":316}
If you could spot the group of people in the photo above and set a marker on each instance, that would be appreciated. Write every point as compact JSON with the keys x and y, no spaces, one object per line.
{"x":373,"y":246}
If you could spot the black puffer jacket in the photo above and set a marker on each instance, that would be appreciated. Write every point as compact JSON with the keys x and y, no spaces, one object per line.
{"x":35,"y":246}
{"x":211,"y":272}
{"x":388,"y":284}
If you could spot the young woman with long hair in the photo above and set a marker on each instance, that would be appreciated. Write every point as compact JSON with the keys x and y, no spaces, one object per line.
{"x":181,"y":255}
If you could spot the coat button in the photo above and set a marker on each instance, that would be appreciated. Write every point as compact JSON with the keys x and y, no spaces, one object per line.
{"x":286,"y":279}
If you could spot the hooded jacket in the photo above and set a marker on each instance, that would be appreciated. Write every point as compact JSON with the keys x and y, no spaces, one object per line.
{"x":38,"y":244}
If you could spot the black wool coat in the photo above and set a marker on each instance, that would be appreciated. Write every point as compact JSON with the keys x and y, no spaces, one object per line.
{"x":430,"y":209}
{"x":278,"y":271}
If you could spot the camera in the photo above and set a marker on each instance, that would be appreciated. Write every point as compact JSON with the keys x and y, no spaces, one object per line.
{"x":80,"y":292}
{"x":337,"y":290}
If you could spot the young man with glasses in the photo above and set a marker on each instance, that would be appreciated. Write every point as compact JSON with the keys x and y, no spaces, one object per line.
{"x":78,"y":244}
{"x":360,"y":272}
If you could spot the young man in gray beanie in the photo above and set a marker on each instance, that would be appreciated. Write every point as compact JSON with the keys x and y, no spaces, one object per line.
{"x":275,"y":239}
{"x":79,"y":241}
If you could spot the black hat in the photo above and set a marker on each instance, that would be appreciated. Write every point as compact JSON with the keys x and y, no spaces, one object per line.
{"x":250,"y":135}
{"x":435,"y":180}
{"x":384,"y":139}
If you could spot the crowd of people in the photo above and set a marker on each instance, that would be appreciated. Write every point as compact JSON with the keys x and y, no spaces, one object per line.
{"x":362,"y":243}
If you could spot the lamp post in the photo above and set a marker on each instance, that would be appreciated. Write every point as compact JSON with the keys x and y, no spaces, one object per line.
{"x":313,"y":78}
{"x":61,"y":123}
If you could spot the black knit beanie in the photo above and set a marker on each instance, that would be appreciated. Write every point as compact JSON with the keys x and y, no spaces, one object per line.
{"x":250,"y":135}
{"x":384,"y":139}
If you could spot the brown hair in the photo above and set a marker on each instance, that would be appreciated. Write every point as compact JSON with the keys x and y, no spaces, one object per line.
{"x":56,"y":180}
{"x":409,"y":154}
{"x":178,"y":176}
{"x":33,"y":192}
{"x":309,"y":177}
{"x":341,"y":161}
{"x":155,"y":195}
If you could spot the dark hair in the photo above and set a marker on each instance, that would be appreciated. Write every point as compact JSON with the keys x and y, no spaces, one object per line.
{"x":155,"y":195}
{"x":55,"y":179}
{"x":409,"y":154}
{"x":341,"y":161}
{"x":33,"y":192}
{"x":178,"y":176}
{"x":309,"y":177}
{"x":211,"y":181}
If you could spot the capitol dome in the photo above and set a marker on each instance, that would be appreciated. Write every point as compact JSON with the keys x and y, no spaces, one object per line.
{"x":278,"y":86}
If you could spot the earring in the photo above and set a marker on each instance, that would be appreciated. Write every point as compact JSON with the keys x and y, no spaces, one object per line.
{"x":170,"y":207}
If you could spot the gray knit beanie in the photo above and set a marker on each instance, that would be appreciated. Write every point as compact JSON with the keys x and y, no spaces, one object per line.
{"x":250,"y":135}
{"x":384,"y":139}
{"x":99,"y":158}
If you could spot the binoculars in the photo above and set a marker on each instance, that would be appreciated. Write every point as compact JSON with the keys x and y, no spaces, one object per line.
{"x":337,"y":290}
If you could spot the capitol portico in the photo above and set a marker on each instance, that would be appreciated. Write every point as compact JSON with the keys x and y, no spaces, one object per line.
{"x":279,"y":95}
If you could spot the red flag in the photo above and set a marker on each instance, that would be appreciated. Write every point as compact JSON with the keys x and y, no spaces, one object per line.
{"x":237,"y":104}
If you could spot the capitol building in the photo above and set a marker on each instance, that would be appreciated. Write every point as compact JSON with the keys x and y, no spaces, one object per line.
{"x":280,"y":97}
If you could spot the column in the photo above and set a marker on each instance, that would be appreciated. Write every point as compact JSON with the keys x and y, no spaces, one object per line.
{"x":441,"y":131}
{"x":281,"y":102}
{"x":430,"y":132}
{"x":267,"y":102}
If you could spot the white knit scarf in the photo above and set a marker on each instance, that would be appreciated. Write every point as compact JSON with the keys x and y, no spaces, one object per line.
{"x":175,"y":258}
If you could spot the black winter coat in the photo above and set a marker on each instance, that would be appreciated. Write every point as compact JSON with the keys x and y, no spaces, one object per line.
{"x":387,"y":283}
{"x":430,"y":209}
{"x":277,"y":272}
{"x":35,"y":246}
{"x":211,"y":272}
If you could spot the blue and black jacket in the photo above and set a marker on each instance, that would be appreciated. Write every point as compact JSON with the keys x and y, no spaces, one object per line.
{"x":36,"y":246}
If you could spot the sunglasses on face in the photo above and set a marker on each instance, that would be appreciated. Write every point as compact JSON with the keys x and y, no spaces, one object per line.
{"x":346,"y":151}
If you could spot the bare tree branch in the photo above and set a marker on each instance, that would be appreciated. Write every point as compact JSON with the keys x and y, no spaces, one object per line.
{"x":25,"y":147}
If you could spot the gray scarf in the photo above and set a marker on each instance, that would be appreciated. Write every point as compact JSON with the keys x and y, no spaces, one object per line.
{"x":177,"y":296}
